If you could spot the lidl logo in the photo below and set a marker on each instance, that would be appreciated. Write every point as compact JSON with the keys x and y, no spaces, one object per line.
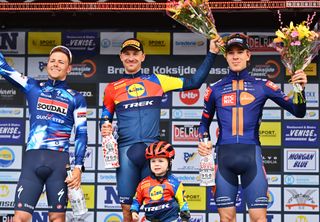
{"x":136,"y":90}
{"x":6,"y":157}
{"x":156,"y":193}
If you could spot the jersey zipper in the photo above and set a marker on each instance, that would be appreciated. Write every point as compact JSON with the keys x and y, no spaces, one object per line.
{"x":237,"y":109}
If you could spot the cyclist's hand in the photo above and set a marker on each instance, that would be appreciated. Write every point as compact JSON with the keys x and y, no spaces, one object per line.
{"x":106,"y":129}
{"x":135,"y":216}
{"x":4,"y":65}
{"x":300,"y":77}
{"x":205,"y":148}
{"x":75,"y":181}
{"x":215,"y":44}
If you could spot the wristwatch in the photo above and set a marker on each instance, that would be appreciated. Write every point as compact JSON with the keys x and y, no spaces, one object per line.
{"x":80,"y":167}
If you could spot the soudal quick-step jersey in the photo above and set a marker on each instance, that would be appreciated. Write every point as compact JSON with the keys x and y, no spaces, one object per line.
{"x":136,"y":99}
{"x":238,"y":100}
{"x":54,"y":108}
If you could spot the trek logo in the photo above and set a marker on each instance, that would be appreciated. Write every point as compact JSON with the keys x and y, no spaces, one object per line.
{"x":160,"y":207}
{"x":246,"y":98}
{"x":229,"y":99}
{"x":52,"y":106}
{"x":136,"y":90}
{"x":138,"y":104}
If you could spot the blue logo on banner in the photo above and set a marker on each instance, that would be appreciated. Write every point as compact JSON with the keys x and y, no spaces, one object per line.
{"x":82,"y":42}
{"x":12,"y":131}
{"x":301,"y":134}
{"x":7,"y":157}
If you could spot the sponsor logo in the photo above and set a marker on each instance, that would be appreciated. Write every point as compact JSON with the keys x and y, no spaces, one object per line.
{"x":189,"y":156}
{"x":301,"y":200}
{"x":113,"y":218}
{"x":156,"y":208}
{"x":52,"y":106}
{"x":272,"y":86}
{"x":87,"y":68}
{"x":207,"y":94}
{"x":189,"y":97}
{"x":246,"y":98}
{"x":4,"y":191}
{"x":50,"y":116}
{"x":6,"y":217}
{"x":270,"y":69}
{"x":136,"y":90}
{"x":156,"y":192}
{"x":229,"y":99}
{"x":81,"y":114}
{"x":8,"y":40}
{"x":7,"y":157}
{"x":139,"y":104}
{"x":301,"y":160}
{"x":186,"y":132}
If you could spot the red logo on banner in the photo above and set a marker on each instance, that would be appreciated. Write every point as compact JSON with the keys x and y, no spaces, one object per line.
{"x":190,"y":97}
{"x":229,"y":99}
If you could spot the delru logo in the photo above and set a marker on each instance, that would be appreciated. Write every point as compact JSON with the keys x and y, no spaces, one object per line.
{"x":39,"y":217}
{"x":111,"y":196}
{"x":190,"y":97}
{"x":229,"y":99}
{"x":302,"y":200}
{"x":52,"y":106}
{"x":186,"y":133}
{"x":8,"y":40}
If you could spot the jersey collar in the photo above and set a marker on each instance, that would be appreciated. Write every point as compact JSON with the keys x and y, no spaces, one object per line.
{"x":132,"y":76}
{"x":56,"y":83}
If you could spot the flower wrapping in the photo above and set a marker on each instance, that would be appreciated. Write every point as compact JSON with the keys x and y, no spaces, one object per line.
{"x":297,"y":45}
{"x":196,"y":15}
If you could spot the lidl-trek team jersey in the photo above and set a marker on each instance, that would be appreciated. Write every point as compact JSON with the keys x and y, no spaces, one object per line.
{"x":162,"y":201}
{"x":239,"y":99}
{"x":136,"y":98}
{"x":54,"y":109}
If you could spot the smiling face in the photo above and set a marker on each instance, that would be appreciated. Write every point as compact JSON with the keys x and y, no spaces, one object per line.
{"x":132,"y":60}
{"x":238,"y":58}
{"x":58,"y":66}
{"x":159,"y":166}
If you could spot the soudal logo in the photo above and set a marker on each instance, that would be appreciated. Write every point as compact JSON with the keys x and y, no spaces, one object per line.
{"x":190,"y":97}
{"x":246,"y":98}
{"x":229,"y":99}
{"x":52,"y":106}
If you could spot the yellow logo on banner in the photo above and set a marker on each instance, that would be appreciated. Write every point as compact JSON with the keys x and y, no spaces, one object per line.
{"x":196,"y":197}
{"x":270,"y":133}
{"x":310,"y":70}
{"x":88,"y":191}
{"x":43,"y":42}
{"x":155,"y":43}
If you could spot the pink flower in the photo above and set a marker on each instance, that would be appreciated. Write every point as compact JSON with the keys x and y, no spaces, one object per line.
{"x":294,"y":34}
{"x":295,"y":43}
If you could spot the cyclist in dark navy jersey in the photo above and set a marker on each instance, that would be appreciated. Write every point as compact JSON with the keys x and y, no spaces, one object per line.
{"x":54,"y":110}
{"x":238,"y":100}
{"x":136,"y":99}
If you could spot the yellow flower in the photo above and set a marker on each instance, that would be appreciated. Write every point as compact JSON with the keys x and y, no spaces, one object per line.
{"x":291,"y":27}
{"x":277,"y":40}
{"x":280,"y":34}
{"x":303,"y":31}
{"x":197,"y":2}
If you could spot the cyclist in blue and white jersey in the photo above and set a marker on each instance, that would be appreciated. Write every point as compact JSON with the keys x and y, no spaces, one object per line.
{"x":54,"y":110}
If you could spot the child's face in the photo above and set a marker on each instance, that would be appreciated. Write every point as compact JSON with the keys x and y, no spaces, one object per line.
{"x":159,"y":166}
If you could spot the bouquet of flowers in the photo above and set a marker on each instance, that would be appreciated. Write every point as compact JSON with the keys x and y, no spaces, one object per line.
{"x":297,"y":45}
{"x":195,"y":15}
